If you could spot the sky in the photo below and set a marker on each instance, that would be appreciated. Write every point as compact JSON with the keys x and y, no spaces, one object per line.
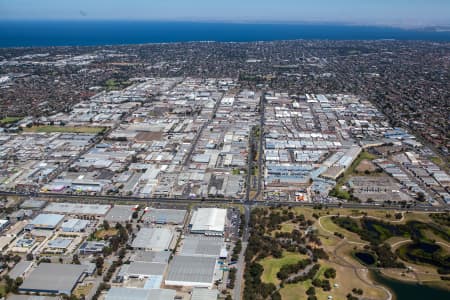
{"x":402,"y":13}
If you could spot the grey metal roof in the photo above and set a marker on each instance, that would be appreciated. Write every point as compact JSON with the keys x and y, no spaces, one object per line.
{"x":173,"y":216}
{"x":19,"y":269}
{"x":60,"y":243}
{"x":56,"y":278}
{"x":33,"y":203}
{"x":120,"y":213}
{"x":204,"y":294}
{"x":152,"y":256}
{"x":201,"y":245}
{"x":157,"y":239}
{"x":78,"y":208}
{"x":145,"y":269}
{"x":47,"y":220}
{"x":74,"y":225}
{"x":122,"y":293}
{"x":31,"y":297}
{"x":192,"y":269}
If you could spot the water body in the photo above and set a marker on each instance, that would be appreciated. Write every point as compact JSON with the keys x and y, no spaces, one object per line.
{"x":72,"y":33}
{"x":365,"y":257}
{"x":409,"y":291}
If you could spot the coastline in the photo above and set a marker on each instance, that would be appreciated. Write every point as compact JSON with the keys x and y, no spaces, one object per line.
{"x":99,"y":33}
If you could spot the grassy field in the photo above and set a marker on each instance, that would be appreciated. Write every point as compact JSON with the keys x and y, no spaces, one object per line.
{"x":68,"y":129}
{"x":440,"y":162}
{"x":100,"y":234}
{"x":339,"y":192}
{"x":2,"y":289}
{"x":285,"y":227}
{"x":328,"y":225}
{"x":112,"y":84}
{"x":83,"y":290}
{"x":273,"y":265}
{"x":346,"y":279}
{"x":8,"y":120}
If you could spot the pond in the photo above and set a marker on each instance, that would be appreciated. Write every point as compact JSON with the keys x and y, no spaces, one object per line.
{"x":365,"y":258}
{"x":408,"y":291}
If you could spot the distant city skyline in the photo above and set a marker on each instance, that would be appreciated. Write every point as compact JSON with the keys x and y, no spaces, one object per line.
{"x":401,"y":13}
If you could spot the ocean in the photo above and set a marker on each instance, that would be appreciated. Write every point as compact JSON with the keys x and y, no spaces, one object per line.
{"x":80,"y":33}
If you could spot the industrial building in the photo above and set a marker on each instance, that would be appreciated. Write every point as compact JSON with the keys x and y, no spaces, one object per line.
{"x":74,"y":225}
{"x":204,"y":294}
{"x":49,"y":278}
{"x":122,"y":293}
{"x":61,"y":243}
{"x":195,"y":271}
{"x":208,"y":221}
{"x":120,"y":213}
{"x":3,"y":224}
{"x":198,"y":245}
{"x":33,"y":204}
{"x":45,"y":221}
{"x":161,"y":257}
{"x":141,"y":270}
{"x":165,"y":216}
{"x":156,"y":239}
{"x":20,"y":269}
{"x":92,"y":247}
{"x":79,"y":209}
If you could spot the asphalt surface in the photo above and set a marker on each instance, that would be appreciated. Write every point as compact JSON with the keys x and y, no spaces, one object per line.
{"x":240,"y":265}
{"x":182,"y":200}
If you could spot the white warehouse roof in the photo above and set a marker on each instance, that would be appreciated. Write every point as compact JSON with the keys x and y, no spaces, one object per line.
{"x":209,"y":220}
{"x":156,"y":239}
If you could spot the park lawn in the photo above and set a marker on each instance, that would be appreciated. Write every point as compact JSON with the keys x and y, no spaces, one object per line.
{"x":345,"y":278}
{"x":285,"y":227}
{"x":273,"y":265}
{"x":114,"y":84}
{"x":295,"y":291}
{"x":329,"y":241}
{"x":432,"y":236}
{"x":423,"y":272}
{"x":329,"y":225}
{"x":421,"y":217}
{"x":68,"y":129}
{"x":2,"y":289}
{"x":100,"y":234}
{"x":438,"y":161}
{"x":9,"y":120}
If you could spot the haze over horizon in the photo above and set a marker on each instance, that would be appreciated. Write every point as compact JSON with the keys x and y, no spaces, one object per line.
{"x":398,"y":13}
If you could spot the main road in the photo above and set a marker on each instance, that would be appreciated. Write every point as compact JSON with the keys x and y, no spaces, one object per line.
{"x":180,"y":200}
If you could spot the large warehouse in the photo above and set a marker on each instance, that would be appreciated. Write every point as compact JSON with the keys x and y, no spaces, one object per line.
{"x":141,"y":270}
{"x":209,"y":221}
{"x":79,"y":209}
{"x":120,"y":213}
{"x":164,"y":216}
{"x":199,"y":245}
{"x":195,"y":271}
{"x":51,"y":278}
{"x":45,"y":221}
{"x":122,"y":293}
{"x":155,"y":239}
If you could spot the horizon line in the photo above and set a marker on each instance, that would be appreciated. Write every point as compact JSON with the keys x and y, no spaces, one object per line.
{"x":230,"y":21}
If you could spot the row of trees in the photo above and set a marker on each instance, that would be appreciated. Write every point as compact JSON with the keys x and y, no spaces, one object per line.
{"x":289,"y":269}
{"x":11,"y":285}
{"x":254,"y":287}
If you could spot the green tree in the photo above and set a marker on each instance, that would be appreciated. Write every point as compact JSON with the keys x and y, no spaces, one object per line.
{"x":105,"y":225}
